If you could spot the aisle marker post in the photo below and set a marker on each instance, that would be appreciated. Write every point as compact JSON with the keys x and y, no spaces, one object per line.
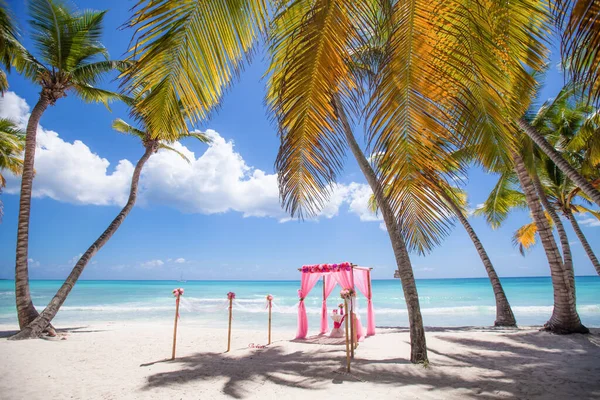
{"x":177,"y":293}
{"x":269,"y":300}
{"x":230,"y":296}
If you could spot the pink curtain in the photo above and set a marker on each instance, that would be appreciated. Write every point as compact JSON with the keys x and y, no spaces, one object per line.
{"x":362,"y":281}
{"x":307,"y":282}
{"x":344,"y":278}
{"x":329,"y":282}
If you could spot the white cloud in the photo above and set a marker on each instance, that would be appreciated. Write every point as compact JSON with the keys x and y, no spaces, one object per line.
{"x":67,"y":172}
{"x":179,"y":260}
{"x":216,"y":181}
{"x":33,"y":263}
{"x":591,"y":222}
{"x":74,"y":259}
{"x":153,"y":263}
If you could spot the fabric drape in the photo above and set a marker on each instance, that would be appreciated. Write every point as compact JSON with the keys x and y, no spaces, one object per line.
{"x":362,"y":280}
{"x":307,"y":282}
{"x":329,"y":282}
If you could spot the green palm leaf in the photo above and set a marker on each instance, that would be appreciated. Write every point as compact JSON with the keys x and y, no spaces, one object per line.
{"x":191,"y":51}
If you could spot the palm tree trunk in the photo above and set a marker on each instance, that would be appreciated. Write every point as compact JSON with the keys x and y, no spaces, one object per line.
{"x":37,"y":326}
{"x":504,"y":313}
{"x":563,"y":164}
{"x":417,"y":331}
{"x":565,"y":318}
{"x":583,"y":240}
{"x":26,"y":312}
{"x":562,"y":233}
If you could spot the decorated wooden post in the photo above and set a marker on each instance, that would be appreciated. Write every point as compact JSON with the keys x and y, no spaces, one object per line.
{"x":230,"y":296}
{"x":347,"y":339}
{"x":177,"y":293}
{"x":269,"y":301}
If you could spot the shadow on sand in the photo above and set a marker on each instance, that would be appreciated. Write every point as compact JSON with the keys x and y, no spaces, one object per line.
{"x":501,"y":366}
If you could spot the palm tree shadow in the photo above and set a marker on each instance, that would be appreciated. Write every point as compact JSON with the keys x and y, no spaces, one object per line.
{"x":529,"y":358}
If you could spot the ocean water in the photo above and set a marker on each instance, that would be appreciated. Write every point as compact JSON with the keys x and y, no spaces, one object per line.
{"x":444,"y":302}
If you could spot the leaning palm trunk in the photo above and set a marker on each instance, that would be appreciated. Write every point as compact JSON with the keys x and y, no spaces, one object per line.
{"x":583,"y":240}
{"x":562,"y":233}
{"x":563,"y":164}
{"x":37,"y":326}
{"x":504,"y":313}
{"x":565,"y":318}
{"x":418,"y":345}
{"x":26,"y":312}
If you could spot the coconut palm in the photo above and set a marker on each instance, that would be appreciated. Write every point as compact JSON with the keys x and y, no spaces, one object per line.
{"x":12,"y":141}
{"x":561,"y":194}
{"x":71,"y":60}
{"x":151,"y":146}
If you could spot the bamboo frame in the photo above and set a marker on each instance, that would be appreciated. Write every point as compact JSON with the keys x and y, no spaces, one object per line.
{"x":269,"y":322}
{"x":352,"y":330}
{"x":229,"y":333}
{"x":175,"y":327}
{"x":346,"y":332}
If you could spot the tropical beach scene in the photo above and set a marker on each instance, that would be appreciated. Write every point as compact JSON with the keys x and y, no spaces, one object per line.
{"x":257,"y":199}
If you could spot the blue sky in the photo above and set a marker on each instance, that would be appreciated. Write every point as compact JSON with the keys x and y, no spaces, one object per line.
{"x":217,"y":218}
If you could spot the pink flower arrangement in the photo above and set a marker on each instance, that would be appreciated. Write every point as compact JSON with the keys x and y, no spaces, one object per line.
{"x":230,"y":296}
{"x":269,"y":297}
{"x":321,"y":268}
{"x":341,"y":305}
{"x":347,"y":293}
{"x":178,"y":292}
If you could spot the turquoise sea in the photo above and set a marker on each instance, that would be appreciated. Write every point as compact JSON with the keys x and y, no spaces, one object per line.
{"x":444,"y":302}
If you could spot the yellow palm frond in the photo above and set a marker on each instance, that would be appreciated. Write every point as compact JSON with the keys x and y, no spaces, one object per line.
{"x":310,"y":44}
{"x":524,"y":238}
{"x":189,"y":51}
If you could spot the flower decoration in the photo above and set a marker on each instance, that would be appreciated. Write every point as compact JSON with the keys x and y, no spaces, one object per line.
{"x":341,"y":305}
{"x":347,"y":293}
{"x":269,"y":297}
{"x":322,"y":268}
{"x":178,"y":292}
{"x":230,"y":296}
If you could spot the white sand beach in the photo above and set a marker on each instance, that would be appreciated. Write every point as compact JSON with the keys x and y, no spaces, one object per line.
{"x":130,"y":361}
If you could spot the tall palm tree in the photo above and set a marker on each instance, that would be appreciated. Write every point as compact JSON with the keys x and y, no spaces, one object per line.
{"x":456,"y":200}
{"x":447,"y":66}
{"x":561,"y":194}
{"x":12,"y":142}
{"x":505,"y":196}
{"x":71,"y":60}
{"x":151,"y":146}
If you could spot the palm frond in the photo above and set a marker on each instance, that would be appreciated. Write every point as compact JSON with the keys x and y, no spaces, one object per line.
{"x":580,"y":45}
{"x":90,"y":73}
{"x":12,"y":143}
{"x":581,"y":209}
{"x":123,"y":127}
{"x":502,"y":199}
{"x":309,"y":48}
{"x":524,"y":237}
{"x":191,"y":51}
{"x":170,"y":148}
{"x":91,"y":94}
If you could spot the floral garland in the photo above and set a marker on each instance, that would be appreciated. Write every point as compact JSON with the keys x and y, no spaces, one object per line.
{"x":320,"y":268}
{"x":230,"y":296}
{"x":347,"y":293}
{"x":178,"y":292}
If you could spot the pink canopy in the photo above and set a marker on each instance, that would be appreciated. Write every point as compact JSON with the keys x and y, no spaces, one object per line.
{"x":348,"y":276}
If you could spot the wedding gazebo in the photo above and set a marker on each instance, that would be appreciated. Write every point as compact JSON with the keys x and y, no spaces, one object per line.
{"x":348,"y":276}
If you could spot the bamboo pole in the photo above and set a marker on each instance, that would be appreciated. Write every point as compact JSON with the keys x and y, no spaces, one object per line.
{"x":229,"y":333}
{"x":269,"y":321}
{"x":347,"y":340}
{"x":175,"y":327}
{"x":352,"y":316}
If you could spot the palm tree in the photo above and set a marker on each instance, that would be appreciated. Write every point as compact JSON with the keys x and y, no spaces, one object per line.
{"x":446,"y":67}
{"x":561,"y":194}
{"x":151,"y":146}
{"x":7,"y":43}
{"x":12,"y":141}
{"x":505,"y":196}
{"x":68,"y":43}
{"x":456,"y":200}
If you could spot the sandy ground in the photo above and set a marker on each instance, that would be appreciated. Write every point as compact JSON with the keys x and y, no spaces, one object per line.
{"x":129,"y":361}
